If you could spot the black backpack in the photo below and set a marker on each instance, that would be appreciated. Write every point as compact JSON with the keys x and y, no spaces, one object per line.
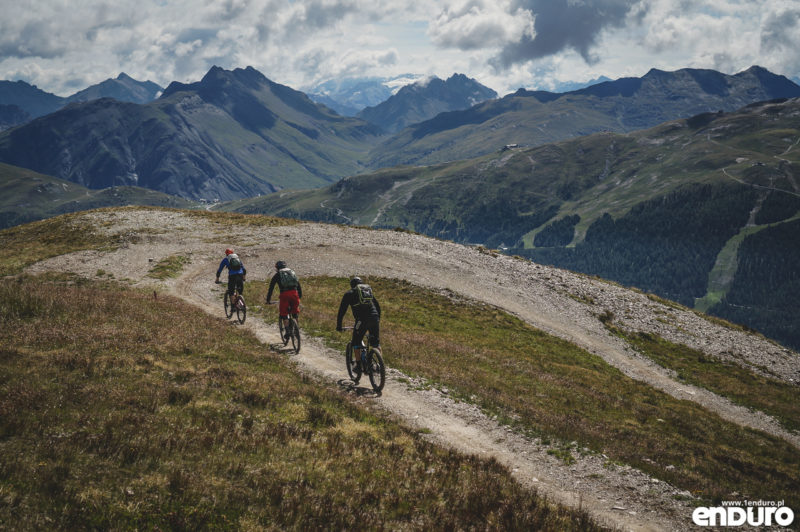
{"x":234,"y":262}
{"x":287,"y":279}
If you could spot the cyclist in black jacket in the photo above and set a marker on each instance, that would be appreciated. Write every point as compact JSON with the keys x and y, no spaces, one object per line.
{"x":366,"y":311}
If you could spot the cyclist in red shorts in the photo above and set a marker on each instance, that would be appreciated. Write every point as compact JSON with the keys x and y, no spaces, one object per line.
{"x":290,"y":292}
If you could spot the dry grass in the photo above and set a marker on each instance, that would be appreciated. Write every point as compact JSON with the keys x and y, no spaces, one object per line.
{"x":550,"y":388}
{"x":36,"y":241}
{"x":121,"y":411}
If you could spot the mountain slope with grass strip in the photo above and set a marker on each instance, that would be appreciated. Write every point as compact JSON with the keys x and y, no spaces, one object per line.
{"x":663,"y":209}
{"x":26,"y":196}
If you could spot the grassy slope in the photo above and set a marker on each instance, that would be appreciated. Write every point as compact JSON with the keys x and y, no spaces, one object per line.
{"x":118,"y":410}
{"x":556,"y":391}
{"x":191,"y":371}
{"x":26,"y":196}
{"x":587,"y":176}
{"x":121,"y":411}
{"x":526,"y":121}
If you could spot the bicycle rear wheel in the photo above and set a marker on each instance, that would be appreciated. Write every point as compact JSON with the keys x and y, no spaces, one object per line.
{"x":353,"y":366}
{"x":294,"y":333}
{"x":376,"y":369}
{"x":282,"y":331}
{"x":241,"y":310}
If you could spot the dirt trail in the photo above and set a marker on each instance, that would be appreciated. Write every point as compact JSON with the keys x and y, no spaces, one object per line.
{"x":615,"y":500}
{"x":558,"y":302}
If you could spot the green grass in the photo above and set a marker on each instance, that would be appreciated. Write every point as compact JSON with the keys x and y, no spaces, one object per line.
{"x":40,"y":240}
{"x":227,"y":219}
{"x":774,"y":397}
{"x":548,"y":387}
{"x":168,"y":267}
{"x":721,"y":275}
{"x":118,"y":411}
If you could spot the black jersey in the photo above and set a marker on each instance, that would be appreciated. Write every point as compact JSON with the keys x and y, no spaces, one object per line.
{"x":361,"y":311}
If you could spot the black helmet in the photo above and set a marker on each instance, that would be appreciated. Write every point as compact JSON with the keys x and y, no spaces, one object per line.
{"x":355,"y":281}
{"x":280,"y":265}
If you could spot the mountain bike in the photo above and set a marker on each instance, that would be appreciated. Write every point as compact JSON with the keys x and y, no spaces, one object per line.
{"x":371,"y":363}
{"x":289,"y":332}
{"x":234,"y":303}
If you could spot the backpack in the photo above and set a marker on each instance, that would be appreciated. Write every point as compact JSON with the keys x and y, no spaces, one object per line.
{"x":364,"y":293}
{"x":234,"y":262}
{"x":287,"y":279}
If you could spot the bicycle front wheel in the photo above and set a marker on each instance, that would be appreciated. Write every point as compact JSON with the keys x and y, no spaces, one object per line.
{"x":294,"y":332}
{"x":241,"y":310}
{"x":377,"y":371}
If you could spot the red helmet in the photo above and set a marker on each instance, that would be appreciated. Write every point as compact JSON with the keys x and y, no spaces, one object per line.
{"x":228,"y":251}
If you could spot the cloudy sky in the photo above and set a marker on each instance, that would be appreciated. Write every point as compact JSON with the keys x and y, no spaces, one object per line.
{"x":65,"y":45}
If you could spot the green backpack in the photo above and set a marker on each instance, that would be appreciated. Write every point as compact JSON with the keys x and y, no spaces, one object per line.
{"x":234,"y":262}
{"x":364,"y":292}
{"x":287,"y":279}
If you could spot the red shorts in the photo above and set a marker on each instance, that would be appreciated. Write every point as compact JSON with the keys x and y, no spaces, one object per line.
{"x":289,"y":303}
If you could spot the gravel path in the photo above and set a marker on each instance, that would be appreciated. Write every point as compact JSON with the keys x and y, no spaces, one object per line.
{"x":559,"y":302}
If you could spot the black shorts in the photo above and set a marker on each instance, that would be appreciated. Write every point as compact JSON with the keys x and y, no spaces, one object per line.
{"x":236,"y":282}
{"x":373,"y":325}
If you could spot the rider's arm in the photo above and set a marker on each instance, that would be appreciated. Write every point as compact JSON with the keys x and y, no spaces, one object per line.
{"x":377,"y":305}
{"x":299,"y":291}
{"x":342,"y":310}
{"x":271,"y":287}
{"x":222,"y":266}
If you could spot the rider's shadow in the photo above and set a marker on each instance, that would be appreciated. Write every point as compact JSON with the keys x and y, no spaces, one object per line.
{"x":361,"y":391}
{"x":284,"y":349}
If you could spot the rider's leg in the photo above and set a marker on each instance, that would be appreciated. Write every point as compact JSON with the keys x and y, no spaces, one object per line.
{"x":283,"y":312}
{"x":231,"y":288}
{"x":240,"y":284}
{"x":359,"y":330}
{"x":375,"y":333}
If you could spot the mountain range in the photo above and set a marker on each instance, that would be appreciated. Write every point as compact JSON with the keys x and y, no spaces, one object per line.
{"x":426,"y":99}
{"x":349,"y":95}
{"x":532,"y":118}
{"x":690,"y":210}
{"x":233,"y":134}
{"x":677,"y":209}
{"x":236,"y":134}
{"x":21,"y":102}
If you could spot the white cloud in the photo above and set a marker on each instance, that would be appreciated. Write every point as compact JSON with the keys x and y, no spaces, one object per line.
{"x":63,"y":47}
{"x":476,"y":25}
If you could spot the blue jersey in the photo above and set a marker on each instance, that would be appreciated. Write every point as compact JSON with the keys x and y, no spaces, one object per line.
{"x":224,"y":264}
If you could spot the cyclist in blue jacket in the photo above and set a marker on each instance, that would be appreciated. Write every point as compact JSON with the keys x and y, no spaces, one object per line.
{"x":236,"y":271}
